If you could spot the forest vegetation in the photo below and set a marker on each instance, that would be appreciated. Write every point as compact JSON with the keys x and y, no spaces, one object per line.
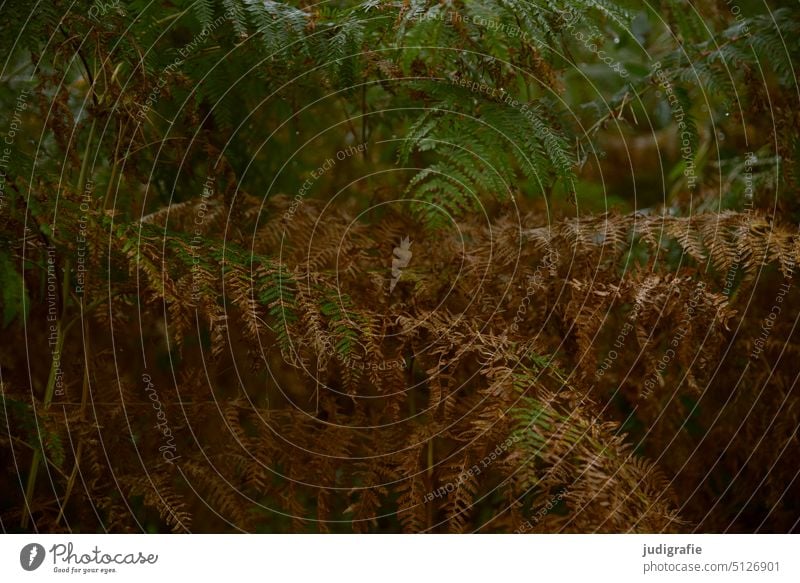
{"x":399,"y":266}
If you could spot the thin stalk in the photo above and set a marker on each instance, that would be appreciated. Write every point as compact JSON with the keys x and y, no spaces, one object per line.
{"x":114,"y":165}
{"x":49,"y":391}
{"x":364,"y":117}
{"x":429,"y":507}
{"x":412,"y":399}
{"x":33,"y":448}
{"x":85,"y":164}
{"x":84,"y":399}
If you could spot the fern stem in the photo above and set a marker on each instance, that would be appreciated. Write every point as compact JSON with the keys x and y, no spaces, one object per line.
{"x":84,"y":399}
{"x":60,"y":331}
{"x":85,"y":164}
{"x":412,"y":400}
{"x":429,"y":507}
{"x":74,"y":473}
{"x":172,"y":16}
{"x":49,"y":391}
{"x":70,"y":482}
{"x":430,"y":458}
{"x":27,"y":512}
{"x":364,"y":117}
{"x":33,"y":448}
{"x":114,"y":166}
{"x":48,"y":398}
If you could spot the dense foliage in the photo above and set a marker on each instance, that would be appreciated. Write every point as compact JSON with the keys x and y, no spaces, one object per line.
{"x":411,"y":265}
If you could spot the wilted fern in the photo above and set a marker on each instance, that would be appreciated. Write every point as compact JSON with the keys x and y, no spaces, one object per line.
{"x":345,"y":249}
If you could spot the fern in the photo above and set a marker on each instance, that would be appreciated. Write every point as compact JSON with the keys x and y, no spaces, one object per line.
{"x":483,"y":154}
{"x":221,"y":186}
